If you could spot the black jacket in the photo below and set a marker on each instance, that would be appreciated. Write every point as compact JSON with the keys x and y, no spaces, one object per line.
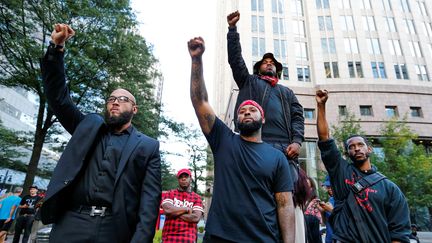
{"x":137,"y":187}
{"x":252,"y":87}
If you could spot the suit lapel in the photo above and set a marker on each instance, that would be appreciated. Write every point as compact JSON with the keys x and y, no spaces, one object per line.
{"x":131,"y":144}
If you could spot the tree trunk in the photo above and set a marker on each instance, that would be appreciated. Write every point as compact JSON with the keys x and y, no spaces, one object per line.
{"x":39,"y":138}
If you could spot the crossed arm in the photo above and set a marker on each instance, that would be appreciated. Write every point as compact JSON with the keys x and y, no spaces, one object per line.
{"x":185,"y":213}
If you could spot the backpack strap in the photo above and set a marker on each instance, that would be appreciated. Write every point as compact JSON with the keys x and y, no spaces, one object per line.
{"x":367,"y":181}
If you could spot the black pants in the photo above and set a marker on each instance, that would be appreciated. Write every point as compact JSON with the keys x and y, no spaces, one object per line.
{"x":23,"y":222}
{"x":82,"y":228}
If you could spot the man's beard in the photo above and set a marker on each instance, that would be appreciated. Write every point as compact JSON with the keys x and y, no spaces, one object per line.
{"x":248,"y":129}
{"x":118,"y":121}
{"x":359,"y":162}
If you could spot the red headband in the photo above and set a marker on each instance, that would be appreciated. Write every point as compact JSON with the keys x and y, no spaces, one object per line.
{"x":253,"y":103}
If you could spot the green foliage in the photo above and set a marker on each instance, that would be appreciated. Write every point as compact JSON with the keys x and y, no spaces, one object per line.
{"x":9,"y":142}
{"x":105,"y":53}
{"x":346,"y":126}
{"x":169,"y":180}
{"x":406,"y":164}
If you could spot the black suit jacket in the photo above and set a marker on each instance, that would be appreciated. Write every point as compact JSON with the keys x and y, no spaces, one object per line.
{"x":137,"y":187}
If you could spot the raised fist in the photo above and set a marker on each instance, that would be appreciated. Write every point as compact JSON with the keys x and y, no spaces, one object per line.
{"x":196,"y":47}
{"x":321,"y":96}
{"x":61,"y":33}
{"x":233,"y":18}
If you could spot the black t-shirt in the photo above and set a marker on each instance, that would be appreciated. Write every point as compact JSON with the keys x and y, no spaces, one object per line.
{"x":383,"y":207}
{"x":246,"y":177}
{"x":31,"y":202}
{"x":275,"y":127}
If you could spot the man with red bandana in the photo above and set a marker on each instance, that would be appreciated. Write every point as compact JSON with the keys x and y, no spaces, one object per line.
{"x":183,"y":209}
{"x":252,"y":200}
{"x":381,"y":211}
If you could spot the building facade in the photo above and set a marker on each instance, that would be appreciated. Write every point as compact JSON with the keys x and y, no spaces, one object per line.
{"x":372,"y":55}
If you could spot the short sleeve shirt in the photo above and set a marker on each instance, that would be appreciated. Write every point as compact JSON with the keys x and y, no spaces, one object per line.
{"x":246,"y":177}
{"x":7,"y":204}
{"x":175,"y":229}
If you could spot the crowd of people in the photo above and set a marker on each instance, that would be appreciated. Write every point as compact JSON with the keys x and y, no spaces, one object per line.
{"x":107,"y":184}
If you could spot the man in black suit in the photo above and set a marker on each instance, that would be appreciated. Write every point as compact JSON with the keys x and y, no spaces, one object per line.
{"x":107,"y":184}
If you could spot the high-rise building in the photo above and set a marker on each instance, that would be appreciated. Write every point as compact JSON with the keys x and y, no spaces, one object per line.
{"x":374,"y":57}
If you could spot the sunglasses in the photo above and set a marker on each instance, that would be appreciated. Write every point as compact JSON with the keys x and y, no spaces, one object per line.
{"x":121,"y":99}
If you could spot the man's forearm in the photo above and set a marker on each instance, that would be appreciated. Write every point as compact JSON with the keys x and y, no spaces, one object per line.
{"x":198,"y":91}
{"x":192,"y":218}
{"x":286,"y":216}
{"x":322,"y":125}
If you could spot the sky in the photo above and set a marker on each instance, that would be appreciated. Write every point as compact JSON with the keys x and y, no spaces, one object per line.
{"x":168,"y":25}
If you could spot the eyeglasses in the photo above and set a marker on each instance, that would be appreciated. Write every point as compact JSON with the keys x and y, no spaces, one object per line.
{"x":121,"y":99}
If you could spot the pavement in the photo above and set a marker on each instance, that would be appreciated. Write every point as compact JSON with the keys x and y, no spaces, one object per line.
{"x":425,"y":237}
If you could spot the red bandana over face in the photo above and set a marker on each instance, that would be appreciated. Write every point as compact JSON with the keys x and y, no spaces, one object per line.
{"x":271,"y":80}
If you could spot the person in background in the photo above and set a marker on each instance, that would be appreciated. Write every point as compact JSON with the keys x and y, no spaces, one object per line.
{"x":8,"y":209}
{"x":327,"y":209}
{"x":183,"y":209}
{"x":26,"y":215}
{"x":312,"y":215}
{"x":413,"y":236}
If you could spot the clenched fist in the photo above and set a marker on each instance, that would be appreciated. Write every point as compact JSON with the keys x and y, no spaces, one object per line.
{"x":196,"y":47}
{"x":61,"y":33}
{"x":233,"y":18}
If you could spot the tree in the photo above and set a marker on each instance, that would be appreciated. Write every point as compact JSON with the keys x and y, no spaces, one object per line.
{"x":406,"y":164}
{"x":346,"y":126}
{"x":9,"y":143}
{"x":105,"y":53}
{"x":169,"y":179}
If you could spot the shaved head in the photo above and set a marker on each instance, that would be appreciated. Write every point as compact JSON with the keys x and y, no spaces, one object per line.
{"x":123,"y":92}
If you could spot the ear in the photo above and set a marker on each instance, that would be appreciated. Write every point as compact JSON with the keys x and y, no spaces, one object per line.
{"x":135,"y":109}
{"x":263,"y":120}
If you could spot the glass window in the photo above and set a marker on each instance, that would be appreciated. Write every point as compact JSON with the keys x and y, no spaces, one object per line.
{"x":279,"y":48}
{"x":343,"y":110}
{"x":416,"y":111}
{"x":384,"y":4}
{"x":301,"y":51}
{"x":421,"y":72}
{"x":373,"y":46}
{"x":390,"y":24}
{"x":254,"y":24}
{"x":422,"y":8}
{"x":395,"y":48}
{"x":297,"y":7}
{"x":257,"y":5}
{"x":328,"y":45}
{"x":254,"y":46}
{"x":285,"y":72}
{"x":427,"y":29}
{"x":404,"y":5}
{"x":347,"y":23}
{"x":335,"y":70}
{"x":299,"y":28}
{"x":325,"y":23}
{"x":366,"y":110}
{"x":375,"y":69}
{"x":346,"y":4}
{"x":262,"y":46}
{"x":303,"y":73}
{"x":400,"y":71}
{"x":322,"y":4}
{"x":415,"y":48}
{"x":351,"y":45}
{"x":359,"y":70}
{"x":391,"y":111}
{"x":409,"y":24}
{"x":351,"y":69}
{"x":261,"y":24}
{"x":309,"y":113}
{"x":369,"y":23}
{"x":327,"y":70}
{"x":382,"y":71}
{"x":278,"y":26}
{"x":366,"y":4}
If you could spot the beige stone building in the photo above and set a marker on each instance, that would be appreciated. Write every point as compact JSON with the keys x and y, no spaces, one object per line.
{"x":374,"y":56}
